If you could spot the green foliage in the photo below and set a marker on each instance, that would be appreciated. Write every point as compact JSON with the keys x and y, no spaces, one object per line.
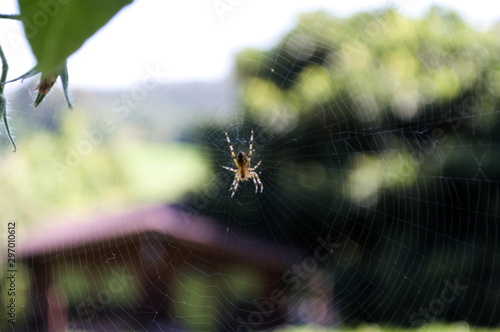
{"x":380,"y":70}
{"x":375,"y":328}
{"x":385,"y":123}
{"x":77,"y":169}
{"x":204,"y":308}
{"x":371,"y":61}
{"x":56,"y":29}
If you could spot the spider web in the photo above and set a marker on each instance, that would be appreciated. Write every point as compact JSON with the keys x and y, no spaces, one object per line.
{"x":418,"y":222}
{"x":405,"y":185}
{"x":404,"y":189}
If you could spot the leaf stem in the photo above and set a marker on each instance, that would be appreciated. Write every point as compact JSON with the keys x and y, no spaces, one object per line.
{"x":3,"y":107}
{"x":10,"y":16}
{"x":5,"y":69}
{"x":6,"y":123}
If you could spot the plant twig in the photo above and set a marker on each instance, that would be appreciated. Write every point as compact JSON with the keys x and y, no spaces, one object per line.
{"x":5,"y":69}
{"x":3,"y":101}
{"x":11,"y":16}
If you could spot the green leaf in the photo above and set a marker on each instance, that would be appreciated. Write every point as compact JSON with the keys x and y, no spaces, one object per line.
{"x":47,"y":81}
{"x":57,"y":28}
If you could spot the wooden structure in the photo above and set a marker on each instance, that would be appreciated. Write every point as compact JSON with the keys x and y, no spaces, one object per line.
{"x":152,"y":269}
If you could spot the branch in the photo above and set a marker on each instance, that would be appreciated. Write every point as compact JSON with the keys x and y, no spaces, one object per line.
{"x":10,"y":16}
{"x":5,"y":69}
{"x":3,"y":101}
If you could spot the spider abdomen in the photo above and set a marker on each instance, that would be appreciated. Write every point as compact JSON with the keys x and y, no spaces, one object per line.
{"x":244,"y":175}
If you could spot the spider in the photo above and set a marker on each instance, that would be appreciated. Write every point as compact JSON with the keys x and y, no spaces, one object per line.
{"x":244,"y":171}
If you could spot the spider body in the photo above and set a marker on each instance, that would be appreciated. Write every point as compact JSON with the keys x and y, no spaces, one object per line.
{"x":243,"y":165}
{"x":243,"y":169}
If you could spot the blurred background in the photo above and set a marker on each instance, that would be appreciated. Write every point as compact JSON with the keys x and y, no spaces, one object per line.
{"x":377,"y":124}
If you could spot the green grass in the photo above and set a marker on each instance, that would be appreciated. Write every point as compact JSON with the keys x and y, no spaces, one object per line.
{"x":455,"y":327}
{"x":163,"y":172}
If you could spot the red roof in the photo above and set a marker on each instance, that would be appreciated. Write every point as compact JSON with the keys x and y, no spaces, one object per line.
{"x":59,"y":236}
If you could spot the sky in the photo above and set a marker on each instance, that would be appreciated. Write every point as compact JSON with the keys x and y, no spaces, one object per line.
{"x":191,"y":40}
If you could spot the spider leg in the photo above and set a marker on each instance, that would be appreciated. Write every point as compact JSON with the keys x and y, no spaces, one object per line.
{"x":250,"y":150}
{"x":257,"y":182}
{"x":236,"y":181}
{"x":230,"y":169}
{"x":232,"y":150}
{"x":254,"y":168}
{"x":234,"y":186}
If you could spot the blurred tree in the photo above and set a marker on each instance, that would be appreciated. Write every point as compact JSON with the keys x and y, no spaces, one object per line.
{"x":80,"y":165}
{"x":385,"y":123}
